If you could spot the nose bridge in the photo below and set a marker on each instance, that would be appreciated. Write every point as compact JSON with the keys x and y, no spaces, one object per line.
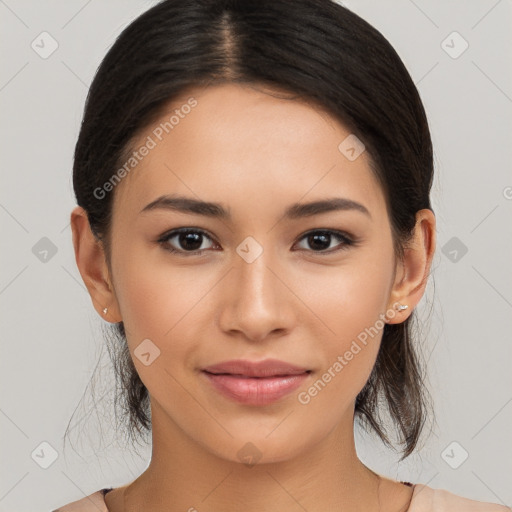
{"x":256,"y":300}
{"x":256,"y":283}
{"x":255,"y":279}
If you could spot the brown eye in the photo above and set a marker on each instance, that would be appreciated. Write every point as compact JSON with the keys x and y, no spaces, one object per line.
{"x":185,"y":240}
{"x":321,"y":240}
{"x":191,"y":241}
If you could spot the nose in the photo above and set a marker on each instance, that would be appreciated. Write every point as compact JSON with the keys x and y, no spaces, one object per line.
{"x":257,"y":301}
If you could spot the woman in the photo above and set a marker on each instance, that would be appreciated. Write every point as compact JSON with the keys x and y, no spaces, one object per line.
{"x":253,"y":184}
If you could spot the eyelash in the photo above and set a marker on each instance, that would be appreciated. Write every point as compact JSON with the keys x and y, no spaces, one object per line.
{"x":347,"y":240}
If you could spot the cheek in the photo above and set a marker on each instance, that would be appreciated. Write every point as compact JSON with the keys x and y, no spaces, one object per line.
{"x":348,"y":298}
{"x":163,"y":304}
{"x":157,"y":296}
{"x":349,"y":303}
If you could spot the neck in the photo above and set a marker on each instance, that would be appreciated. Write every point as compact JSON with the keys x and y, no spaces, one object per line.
{"x":184,"y":476}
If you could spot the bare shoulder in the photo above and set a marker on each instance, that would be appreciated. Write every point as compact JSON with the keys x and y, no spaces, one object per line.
{"x":94,"y":502}
{"x":394,"y":496}
{"x":427,"y":499}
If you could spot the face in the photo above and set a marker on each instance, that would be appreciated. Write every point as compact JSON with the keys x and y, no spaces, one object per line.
{"x":309,"y":289}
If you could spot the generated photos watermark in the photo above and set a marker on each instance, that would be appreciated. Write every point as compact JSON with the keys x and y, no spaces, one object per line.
{"x":150,"y":143}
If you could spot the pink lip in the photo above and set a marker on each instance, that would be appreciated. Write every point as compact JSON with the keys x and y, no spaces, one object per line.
{"x":265,"y":368}
{"x":255,"y":390}
{"x":255,"y":383}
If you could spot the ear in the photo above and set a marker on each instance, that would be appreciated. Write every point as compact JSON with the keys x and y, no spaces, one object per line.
{"x":412,"y":273}
{"x":91,"y":261}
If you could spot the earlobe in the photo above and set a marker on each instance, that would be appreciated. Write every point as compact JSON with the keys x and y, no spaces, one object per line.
{"x":91,"y":262}
{"x":411,"y":281}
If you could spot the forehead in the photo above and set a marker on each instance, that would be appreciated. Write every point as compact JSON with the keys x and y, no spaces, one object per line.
{"x":240,"y":144}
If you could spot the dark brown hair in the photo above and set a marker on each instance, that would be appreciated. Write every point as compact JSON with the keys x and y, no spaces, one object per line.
{"x":314,"y":49}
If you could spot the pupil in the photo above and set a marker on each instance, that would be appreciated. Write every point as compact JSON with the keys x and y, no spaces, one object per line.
{"x":192,"y":241}
{"x":187,"y":238}
{"x":313,"y":239}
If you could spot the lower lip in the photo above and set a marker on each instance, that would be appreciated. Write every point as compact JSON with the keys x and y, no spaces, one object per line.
{"x":255,"y":391}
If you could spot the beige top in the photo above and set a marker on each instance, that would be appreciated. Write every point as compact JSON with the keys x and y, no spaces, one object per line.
{"x":424,"y":499}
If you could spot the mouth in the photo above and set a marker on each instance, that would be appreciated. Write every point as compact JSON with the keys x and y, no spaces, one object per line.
{"x":259,"y":383}
{"x":242,"y":376}
{"x":256,"y":369}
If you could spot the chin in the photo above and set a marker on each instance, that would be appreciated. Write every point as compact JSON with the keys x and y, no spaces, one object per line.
{"x":258,"y":449}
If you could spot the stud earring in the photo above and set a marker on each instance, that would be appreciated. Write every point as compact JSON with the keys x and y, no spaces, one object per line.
{"x":400,"y":307}
{"x":105,"y":311}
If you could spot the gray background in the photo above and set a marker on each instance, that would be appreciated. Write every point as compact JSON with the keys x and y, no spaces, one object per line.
{"x":51,"y":336}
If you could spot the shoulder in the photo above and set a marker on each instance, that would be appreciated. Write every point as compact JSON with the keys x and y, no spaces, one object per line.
{"x":94,"y":502}
{"x":426,"y":499}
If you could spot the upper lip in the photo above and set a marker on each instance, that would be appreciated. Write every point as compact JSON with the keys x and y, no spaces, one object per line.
{"x":265,"y":368}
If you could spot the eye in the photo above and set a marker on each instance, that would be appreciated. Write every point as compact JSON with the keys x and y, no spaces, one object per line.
{"x":189,"y":240}
{"x":320,"y":240}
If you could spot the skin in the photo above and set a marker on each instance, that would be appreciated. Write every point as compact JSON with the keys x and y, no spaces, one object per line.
{"x":255,"y":154}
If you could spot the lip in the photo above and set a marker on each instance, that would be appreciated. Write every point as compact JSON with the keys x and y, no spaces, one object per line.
{"x":255,"y":383}
{"x":265,"y":368}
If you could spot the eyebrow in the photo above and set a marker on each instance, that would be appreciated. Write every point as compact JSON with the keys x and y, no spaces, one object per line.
{"x":216,"y":210}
